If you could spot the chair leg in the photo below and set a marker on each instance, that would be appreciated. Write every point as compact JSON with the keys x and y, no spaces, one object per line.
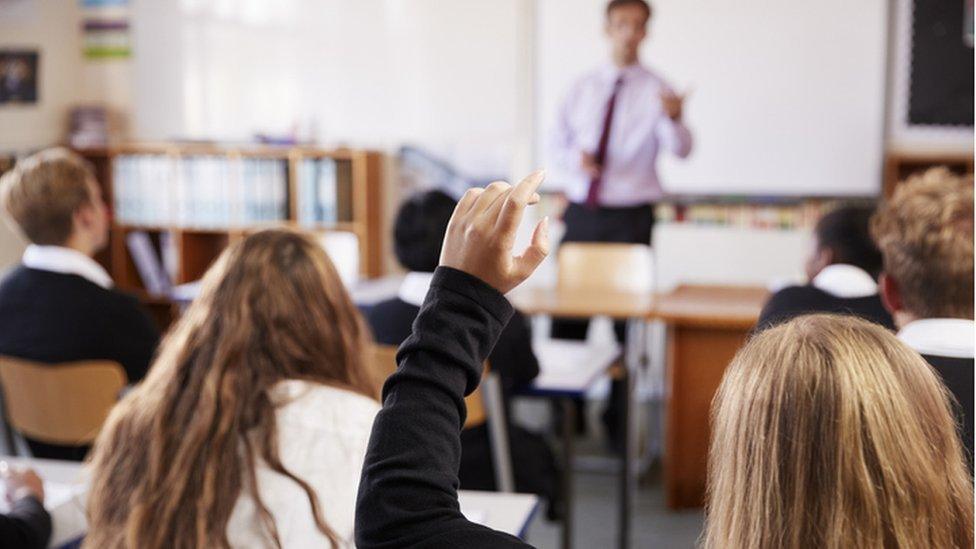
{"x":498,"y":434}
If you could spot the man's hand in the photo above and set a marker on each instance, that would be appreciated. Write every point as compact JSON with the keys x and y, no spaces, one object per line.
{"x":672,"y":104}
{"x":20,"y":483}
{"x":589,"y":165}
{"x":481,"y":234}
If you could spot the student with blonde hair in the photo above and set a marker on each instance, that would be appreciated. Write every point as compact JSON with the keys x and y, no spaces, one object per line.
{"x":925,"y":232}
{"x":829,"y":432}
{"x":251,"y":428}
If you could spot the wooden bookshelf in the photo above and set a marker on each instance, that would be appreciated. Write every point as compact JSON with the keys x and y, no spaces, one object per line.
{"x":359,"y":174}
{"x":900,"y":164}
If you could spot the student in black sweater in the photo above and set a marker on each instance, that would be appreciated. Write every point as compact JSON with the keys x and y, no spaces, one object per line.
{"x":27,"y":525}
{"x":842,"y":271}
{"x":925,"y":232}
{"x":418,"y":233}
{"x":59,"y":305}
{"x":408,"y":490}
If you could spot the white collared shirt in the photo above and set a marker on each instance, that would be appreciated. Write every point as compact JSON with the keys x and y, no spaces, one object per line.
{"x":845,"y":281}
{"x":58,"y":259}
{"x":413,"y":289}
{"x":949,"y":337}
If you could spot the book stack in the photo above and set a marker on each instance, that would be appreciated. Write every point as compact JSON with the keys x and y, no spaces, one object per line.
{"x":199,"y":191}
{"x":322,"y":199}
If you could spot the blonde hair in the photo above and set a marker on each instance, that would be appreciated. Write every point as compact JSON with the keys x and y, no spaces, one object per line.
{"x":925,"y":233}
{"x":829,"y":432}
{"x":177,"y":452}
{"x":43,"y":191}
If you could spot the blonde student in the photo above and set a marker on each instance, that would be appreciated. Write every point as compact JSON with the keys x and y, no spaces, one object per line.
{"x":829,"y":432}
{"x":251,"y":428}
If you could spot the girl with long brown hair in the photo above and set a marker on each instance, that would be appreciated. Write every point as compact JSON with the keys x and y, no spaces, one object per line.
{"x":251,"y":427}
{"x":829,"y":432}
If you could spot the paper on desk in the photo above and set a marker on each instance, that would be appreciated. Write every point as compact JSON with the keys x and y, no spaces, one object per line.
{"x":571,"y":365}
{"x":479,"y":516}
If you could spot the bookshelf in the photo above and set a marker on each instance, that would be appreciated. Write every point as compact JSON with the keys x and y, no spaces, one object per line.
{"x":900,"y":164}
{"x":201,"y":198}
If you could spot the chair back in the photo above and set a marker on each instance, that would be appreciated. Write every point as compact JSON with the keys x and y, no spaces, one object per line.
{"x":63,"y":403}
{"x":605,"y":267}
{"x":384,"y":364}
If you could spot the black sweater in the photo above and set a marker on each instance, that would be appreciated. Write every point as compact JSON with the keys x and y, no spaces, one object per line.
{"x":957,"y":374}
{"x":795,"y":301}
{"x":26,"y":526}
{"x":408,"y":490}
{"x":54,"y":317}
{"x":51,"y":317}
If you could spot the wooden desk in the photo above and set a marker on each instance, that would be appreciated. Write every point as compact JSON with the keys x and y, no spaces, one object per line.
{"x":706,"y":327}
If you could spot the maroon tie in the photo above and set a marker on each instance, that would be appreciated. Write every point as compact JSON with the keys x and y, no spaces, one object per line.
{"x":593,"y":195}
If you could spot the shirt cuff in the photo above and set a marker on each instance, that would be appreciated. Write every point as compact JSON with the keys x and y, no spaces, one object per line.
{"x":474,"y":289}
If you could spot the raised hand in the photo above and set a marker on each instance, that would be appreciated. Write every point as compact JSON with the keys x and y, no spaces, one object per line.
{"x":672,"y":104}
{"x":481,"y":234}
{"x":589,"y":165}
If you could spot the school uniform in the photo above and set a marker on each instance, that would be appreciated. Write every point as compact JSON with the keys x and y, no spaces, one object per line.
{"x":947,"y":344}
{"x":322,"y":436}
{"x":839,"y":289}
{"x":26,"y":526}
{"x":408,"y":492}
{"x":60,"y":305}
{"x":535,"y":470}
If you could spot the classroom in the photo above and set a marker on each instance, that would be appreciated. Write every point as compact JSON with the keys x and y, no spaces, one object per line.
{"x":486,"y":273}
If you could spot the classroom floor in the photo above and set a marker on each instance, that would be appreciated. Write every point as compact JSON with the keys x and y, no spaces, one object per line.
{"x":596,"y":517}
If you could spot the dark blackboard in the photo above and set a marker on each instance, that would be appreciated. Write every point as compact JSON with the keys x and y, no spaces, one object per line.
{"x":941,"y":89}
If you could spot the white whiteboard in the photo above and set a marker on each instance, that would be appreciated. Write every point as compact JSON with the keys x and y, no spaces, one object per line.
{"x":787,"y":96}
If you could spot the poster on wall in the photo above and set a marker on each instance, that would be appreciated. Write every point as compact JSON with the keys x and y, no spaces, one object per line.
{"x":18,"y":76}
{"x":105,"y":24}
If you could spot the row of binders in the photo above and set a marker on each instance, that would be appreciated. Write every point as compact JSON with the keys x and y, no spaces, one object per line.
{"x":199,"y":191}
{"x":321,"y":199}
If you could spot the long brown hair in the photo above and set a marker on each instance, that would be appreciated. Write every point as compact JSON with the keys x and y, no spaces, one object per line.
{"x":829,"y":432}
{"x":176,"y":453}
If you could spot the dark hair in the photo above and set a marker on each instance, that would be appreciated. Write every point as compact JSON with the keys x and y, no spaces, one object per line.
{"x":614,"y":4}
{"x":418,"y":231}
{"x":846,"y":231}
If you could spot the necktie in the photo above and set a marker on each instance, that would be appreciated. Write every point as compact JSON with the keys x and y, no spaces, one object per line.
{"x":593,"y":195}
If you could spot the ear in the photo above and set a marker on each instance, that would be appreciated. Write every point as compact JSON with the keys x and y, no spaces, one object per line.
{"x":84,"y":217}
{"x":890,"y":294}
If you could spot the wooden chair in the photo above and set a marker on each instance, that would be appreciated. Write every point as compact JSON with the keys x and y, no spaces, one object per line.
{"x":605,"y":267}
{"x":62,"y":404}
{"x":484,"y":405}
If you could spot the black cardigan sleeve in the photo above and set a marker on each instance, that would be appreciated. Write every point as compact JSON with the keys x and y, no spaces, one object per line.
{"x":408,"y":490}
{"x":513,"y":358}
{"x":27,"y":526}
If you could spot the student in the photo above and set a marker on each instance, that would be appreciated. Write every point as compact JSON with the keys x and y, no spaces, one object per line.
{"x":408,"y":491}
{"x":843,"y":272}
{"x":27,"y":525}
{"x":925,"y":232}
{"x":418,"y":233}
{"x":59,"y":305}
{"x":829,"y":432}
{"x":251,"y":428}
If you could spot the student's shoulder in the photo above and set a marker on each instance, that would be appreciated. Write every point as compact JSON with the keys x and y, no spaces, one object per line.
{"x":310,"y":405}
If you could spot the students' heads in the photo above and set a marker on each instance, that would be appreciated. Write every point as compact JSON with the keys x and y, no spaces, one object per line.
{"x":925,"y":232}
{"x":418,"y":231}
{"x":175,"y":454}
{"x":829,"y":432}
{"x":626,"y":27}
{"x":843,"y":236}
{"x":54,"y":199}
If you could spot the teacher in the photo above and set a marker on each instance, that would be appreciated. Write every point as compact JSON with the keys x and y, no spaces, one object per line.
{"x":610,"y":129}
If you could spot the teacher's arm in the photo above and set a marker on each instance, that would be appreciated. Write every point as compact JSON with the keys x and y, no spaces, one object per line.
{"x":408,"y":490}
{"x":671,"y":130}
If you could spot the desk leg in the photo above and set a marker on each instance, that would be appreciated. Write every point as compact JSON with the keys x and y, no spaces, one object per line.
{"x":629,"y":426}
{"x":569,"y":425}
{"x":697,"y":358}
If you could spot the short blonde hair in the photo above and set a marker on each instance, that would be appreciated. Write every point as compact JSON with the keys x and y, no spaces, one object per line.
{"x":925,"y":233}
{"x":827,"y":431}
{"x":43,"y":192}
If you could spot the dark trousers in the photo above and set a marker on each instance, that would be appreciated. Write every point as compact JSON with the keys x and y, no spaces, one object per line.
{"x":629,"y":225}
